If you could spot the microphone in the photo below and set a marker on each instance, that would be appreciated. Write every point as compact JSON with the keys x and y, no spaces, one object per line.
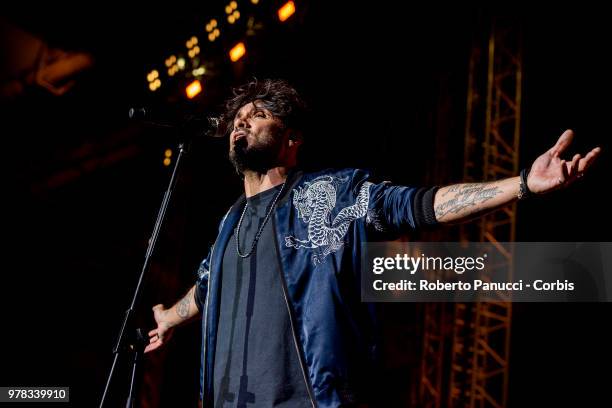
{"x":152,"y":116}
{"x":188,"y":123}
{"x":139,"y":113}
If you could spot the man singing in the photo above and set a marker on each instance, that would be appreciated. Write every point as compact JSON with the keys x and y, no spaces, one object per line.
{"x":279,"y":292}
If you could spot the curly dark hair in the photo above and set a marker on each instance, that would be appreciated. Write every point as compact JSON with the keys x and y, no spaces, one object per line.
{"x":277,"y":96}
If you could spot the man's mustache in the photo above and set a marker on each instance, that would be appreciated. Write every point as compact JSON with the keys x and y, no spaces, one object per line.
{"x":241,"y":137}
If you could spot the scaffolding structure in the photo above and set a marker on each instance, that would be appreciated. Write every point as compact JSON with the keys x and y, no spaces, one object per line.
{"x":478,"y":353}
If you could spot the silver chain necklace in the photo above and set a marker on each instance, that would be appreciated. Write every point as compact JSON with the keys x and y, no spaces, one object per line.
{"x":260,"y":230}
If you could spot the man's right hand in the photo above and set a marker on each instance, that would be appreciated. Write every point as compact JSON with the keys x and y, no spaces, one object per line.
{"x":163,"y":332}
{"x":167,"y":319}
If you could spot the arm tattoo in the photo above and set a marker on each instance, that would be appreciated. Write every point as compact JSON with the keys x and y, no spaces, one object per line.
{"x":182,"y":308}
{"x":466,"y":196}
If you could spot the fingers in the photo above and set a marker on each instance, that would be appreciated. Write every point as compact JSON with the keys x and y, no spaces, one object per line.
{"x":576,"y":168}
{"x":572,"y":167}
{"x":562,"y":143}
{"x":156,"y":336}
{"x":578,"y":165}
{"x":588,"y":160}
{"x":155,"y":341}
{"x":564,"y":171}
{"x":153,"y":346}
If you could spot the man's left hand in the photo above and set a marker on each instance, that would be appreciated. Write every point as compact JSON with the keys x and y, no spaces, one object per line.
{"x":549,"y":172}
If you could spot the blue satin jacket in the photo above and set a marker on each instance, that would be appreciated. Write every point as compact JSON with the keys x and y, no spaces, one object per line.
{"x":320,"y":221}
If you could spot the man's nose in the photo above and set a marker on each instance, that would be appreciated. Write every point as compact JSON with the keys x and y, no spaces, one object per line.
{"x":242,"y":123}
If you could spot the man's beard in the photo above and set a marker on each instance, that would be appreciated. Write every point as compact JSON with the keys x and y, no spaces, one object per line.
{"x":258,"y":158}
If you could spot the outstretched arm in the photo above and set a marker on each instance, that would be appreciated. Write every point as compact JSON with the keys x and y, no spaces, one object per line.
{"x":461,"y":202}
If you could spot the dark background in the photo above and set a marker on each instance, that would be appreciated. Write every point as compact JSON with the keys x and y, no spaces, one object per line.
{"x":387,"y":90}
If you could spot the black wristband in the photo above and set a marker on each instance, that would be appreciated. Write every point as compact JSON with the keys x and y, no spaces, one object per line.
{"x":524,"y":191}
{"x":423,"y":209}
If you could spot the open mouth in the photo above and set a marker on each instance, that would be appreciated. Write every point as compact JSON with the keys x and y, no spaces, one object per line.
{"x":239,"y":136}
{"x":240,"y":140}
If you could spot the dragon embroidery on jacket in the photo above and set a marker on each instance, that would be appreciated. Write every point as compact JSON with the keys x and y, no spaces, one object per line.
{"x":314,"y":203}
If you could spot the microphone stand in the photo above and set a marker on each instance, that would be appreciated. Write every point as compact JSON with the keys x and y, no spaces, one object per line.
{"x":131,"y":340}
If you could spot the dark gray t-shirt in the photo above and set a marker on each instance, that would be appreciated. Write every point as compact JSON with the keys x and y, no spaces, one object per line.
{"x":256,"y":363}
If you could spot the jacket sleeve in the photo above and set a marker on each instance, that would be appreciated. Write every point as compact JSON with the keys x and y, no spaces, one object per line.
{"x":397,"y":208}
{"x":202,"y":282}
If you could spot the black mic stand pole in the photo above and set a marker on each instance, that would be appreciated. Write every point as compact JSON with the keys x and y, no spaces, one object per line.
{"x":134,"y":340}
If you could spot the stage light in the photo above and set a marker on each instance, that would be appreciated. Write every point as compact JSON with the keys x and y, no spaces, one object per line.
{"x":286,"y":11}
{"x":167,"y":162}
{"x":214,"y":33}
{"x":232,"y":12}
{"x":168,"y":153}
{"x":193,"y":89}
{"x":231,"y":7}
{"x":170,"y":60}
{"x":211,"y":28}
{"x":198,"y":71}
{"x":153,"y":86}
{"x":192,"y":42}
{"x":255,"y":1}
{"x":180,"y":63}
{"x":237,"y":52}
{"x":192,"y":53}
{"x":151,"y":76}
